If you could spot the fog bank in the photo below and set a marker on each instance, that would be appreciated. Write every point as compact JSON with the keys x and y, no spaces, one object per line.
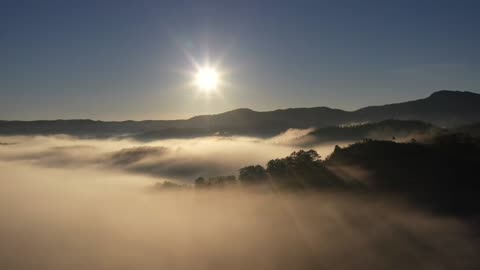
{"x":89,"y":204}
{"x":172,"y":159}
{"x":59,"y":219}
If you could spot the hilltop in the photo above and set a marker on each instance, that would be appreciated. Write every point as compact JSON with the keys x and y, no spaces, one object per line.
{"x":443,"y":108}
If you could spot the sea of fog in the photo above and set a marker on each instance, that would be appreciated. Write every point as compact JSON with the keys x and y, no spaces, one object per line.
{"x":174,"y":159}
{"x":68,"y":203}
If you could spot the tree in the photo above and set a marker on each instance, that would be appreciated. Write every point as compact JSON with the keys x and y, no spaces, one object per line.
{"x":167,"y":185}
{"x":301,"y":169}
{"x":215,"y":181}
{"x":253,"y":174}
{"x":200,"y":182}
{"x":221,"y":181}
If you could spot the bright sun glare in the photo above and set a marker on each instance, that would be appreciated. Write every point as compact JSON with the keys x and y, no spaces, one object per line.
{"x":207,"y":79}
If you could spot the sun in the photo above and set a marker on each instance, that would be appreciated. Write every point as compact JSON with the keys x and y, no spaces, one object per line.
{"x":207,"y":79}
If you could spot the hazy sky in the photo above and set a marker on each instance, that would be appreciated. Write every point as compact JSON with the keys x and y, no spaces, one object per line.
{"x":129,"y":59}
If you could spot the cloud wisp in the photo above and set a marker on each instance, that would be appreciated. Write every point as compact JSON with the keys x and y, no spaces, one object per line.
{"x":176,"y":159}
{"x":77,"y":204}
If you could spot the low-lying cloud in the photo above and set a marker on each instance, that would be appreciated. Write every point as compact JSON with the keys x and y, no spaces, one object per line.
{"x":176,"y":159}
{"x":89,"y":219}
{"x":77,"y":204}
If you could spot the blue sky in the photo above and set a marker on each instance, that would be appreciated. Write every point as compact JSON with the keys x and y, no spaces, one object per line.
{"x":116,"y":60}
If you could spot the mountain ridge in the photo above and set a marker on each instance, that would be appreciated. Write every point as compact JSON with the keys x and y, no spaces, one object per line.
{"x":443,"y":108}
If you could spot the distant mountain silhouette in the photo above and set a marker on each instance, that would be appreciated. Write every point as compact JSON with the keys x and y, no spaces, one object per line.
{"x":383,"y":130}
{"x":442,"y":108}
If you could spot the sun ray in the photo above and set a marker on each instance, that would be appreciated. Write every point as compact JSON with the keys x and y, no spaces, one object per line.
{"x":207,"y":79}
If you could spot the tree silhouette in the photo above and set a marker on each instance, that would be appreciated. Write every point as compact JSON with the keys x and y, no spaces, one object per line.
{"x":253,"y":175}
{"x":215,"y":181}
{"x":301,"y":169}
{"x":440,"y":175}
{"x":200,"y":182}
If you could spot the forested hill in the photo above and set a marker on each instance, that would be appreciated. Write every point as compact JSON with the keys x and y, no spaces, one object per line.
{"x":442,"y":108}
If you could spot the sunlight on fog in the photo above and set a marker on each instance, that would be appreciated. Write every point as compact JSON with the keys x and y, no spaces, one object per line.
{"x":89,"y":219}
{"x":175,"y":159}
{"x":89,"y":204}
